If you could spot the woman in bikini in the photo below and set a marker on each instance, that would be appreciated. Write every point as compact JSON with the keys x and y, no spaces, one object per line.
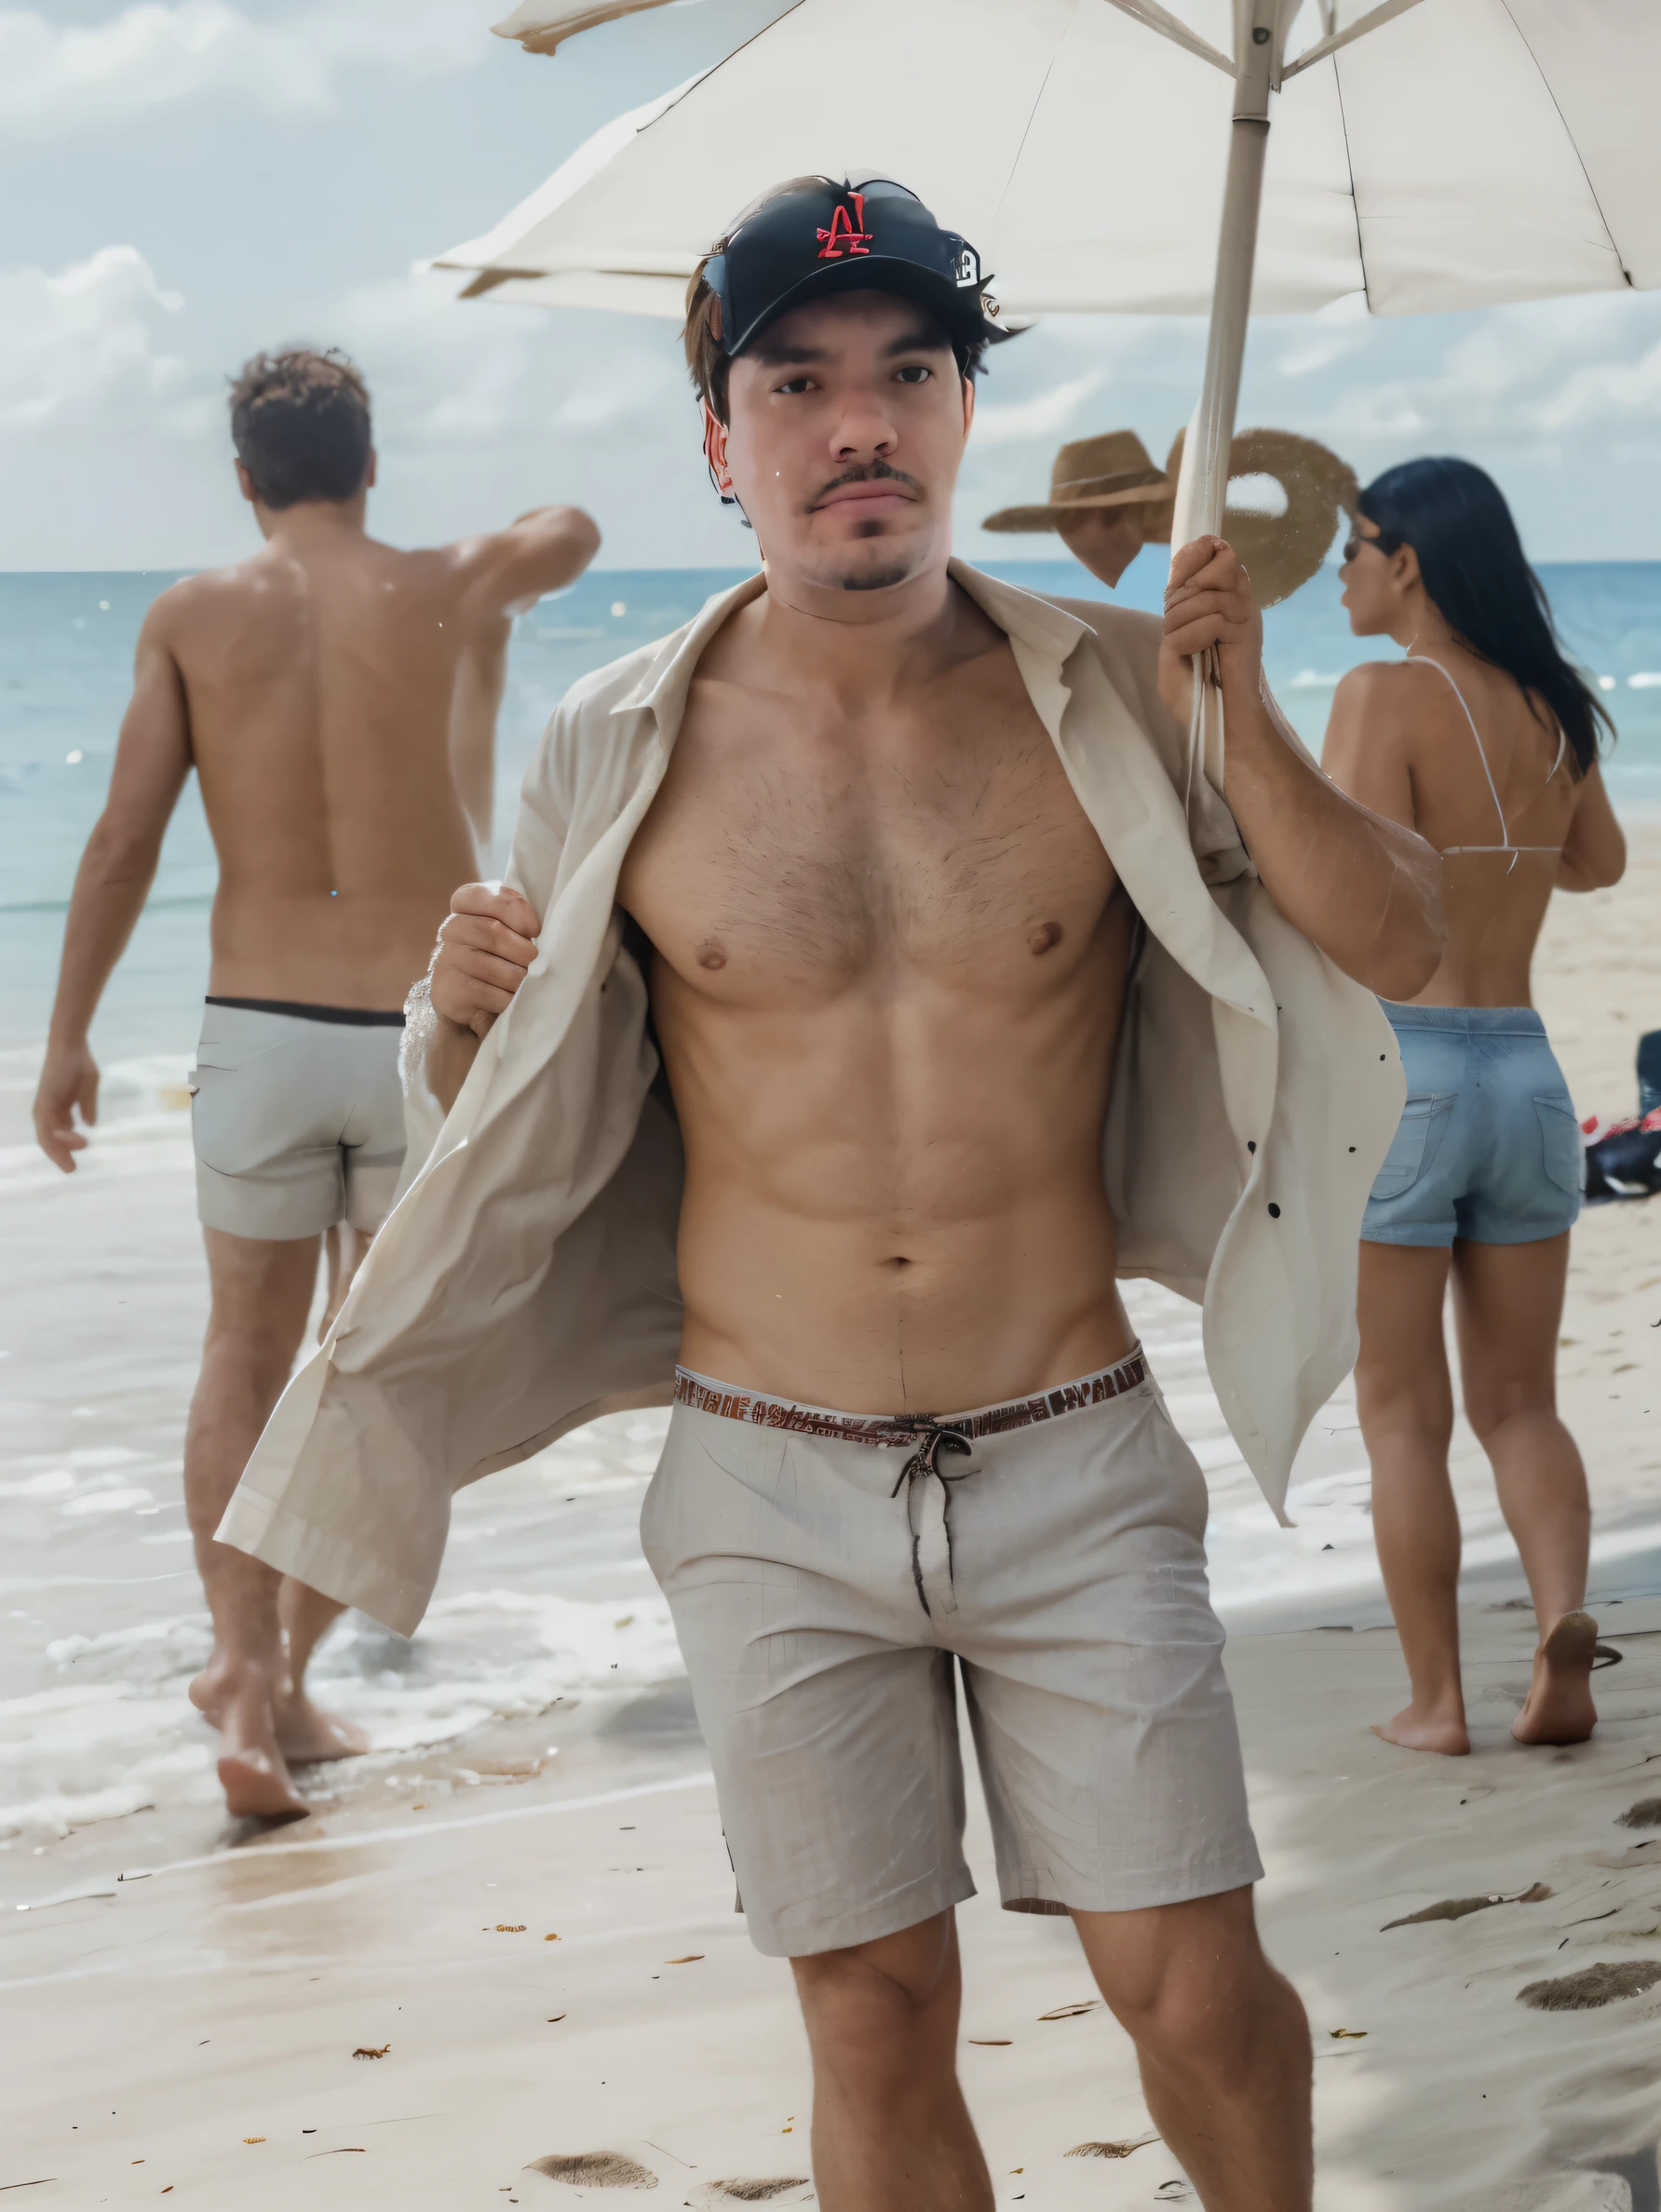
{"x":1485,"y":740}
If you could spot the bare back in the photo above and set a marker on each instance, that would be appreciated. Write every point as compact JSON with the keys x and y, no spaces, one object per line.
{"x":319,"y":684}
{"x":1501,"y":803}
{"x":888,"y":962}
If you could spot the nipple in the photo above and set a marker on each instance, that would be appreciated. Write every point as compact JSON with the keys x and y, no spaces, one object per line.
{"x":709,"y":954}
{"x":1047,"y":935}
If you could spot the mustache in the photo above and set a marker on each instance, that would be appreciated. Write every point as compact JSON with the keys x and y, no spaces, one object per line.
{"x":878,"y":472}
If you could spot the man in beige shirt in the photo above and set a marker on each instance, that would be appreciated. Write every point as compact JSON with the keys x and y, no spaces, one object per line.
{"x":969,"y":998}
{"x":337,"y":699}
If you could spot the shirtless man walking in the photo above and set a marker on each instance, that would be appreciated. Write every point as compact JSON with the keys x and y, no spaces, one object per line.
{"x":876,"y":841}
{"x":337,"y":699}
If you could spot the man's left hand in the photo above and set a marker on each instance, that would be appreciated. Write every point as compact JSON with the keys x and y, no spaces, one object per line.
{"x":1210,"y":601}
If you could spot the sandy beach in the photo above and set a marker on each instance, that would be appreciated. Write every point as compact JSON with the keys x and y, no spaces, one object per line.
{"x":508,"y":1936}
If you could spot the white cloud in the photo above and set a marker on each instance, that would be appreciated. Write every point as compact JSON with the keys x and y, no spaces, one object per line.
{"x":59,"y":80}
{"x":1519,"y":376}
{"x":451,"y":374}
{"x":1321,"y":350}
{"x":1044,"y":415}
{"x":1609,"y":393}
{"x":85,"y":349}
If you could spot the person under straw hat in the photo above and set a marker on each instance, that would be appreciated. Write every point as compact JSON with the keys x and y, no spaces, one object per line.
{"x":1107,"y":501}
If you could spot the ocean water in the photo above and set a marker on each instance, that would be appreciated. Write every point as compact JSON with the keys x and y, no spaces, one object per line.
{"x":66,"y":646}
{"x":543,"y":1601}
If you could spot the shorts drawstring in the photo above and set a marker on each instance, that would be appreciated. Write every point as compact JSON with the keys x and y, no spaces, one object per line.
{"x":929,"y":1517}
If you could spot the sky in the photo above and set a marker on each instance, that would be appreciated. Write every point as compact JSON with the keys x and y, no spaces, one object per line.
{"x":185,"y":181}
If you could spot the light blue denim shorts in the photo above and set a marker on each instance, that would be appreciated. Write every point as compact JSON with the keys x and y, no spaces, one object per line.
{"x":1487,"y":1147}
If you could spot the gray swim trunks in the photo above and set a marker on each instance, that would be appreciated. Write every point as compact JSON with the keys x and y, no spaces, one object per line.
{"x":298,"y":1117}
{"x":830,"y":1574}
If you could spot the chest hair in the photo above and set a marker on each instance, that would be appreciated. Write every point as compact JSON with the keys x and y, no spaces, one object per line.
{"x":839,"y":874}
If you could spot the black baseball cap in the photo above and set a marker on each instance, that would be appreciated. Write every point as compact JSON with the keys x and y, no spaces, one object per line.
{"x":815,"y":237}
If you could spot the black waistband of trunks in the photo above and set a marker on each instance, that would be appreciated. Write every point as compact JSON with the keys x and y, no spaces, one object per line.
{"x":359,"y":1017}
{"x":762,"y":1410}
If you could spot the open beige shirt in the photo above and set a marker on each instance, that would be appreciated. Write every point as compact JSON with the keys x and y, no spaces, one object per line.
{"x":526,"y":1281}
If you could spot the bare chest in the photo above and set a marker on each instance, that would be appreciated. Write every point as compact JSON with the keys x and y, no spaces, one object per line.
{"x":789,"y":863}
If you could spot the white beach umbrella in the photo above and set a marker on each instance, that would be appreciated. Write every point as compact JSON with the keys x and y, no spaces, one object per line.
{"x":1112,"y":155}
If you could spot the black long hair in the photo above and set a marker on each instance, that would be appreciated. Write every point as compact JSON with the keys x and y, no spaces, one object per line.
{"x":1455,"y":517}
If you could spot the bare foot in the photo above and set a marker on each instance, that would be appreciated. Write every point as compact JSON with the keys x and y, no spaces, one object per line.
{"x":1559,"y":1708}
{"x":252,"y":1772}
{"x":1425,"y":1732}
{"x":257,"y":1787}
{"x":304,"y":1732}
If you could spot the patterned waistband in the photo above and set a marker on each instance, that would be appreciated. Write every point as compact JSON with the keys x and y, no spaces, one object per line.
{"x":703,"y":1396}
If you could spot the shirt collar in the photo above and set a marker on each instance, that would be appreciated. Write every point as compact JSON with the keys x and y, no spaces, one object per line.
{"x":664,"y":682}
{"x":1047,"y":632}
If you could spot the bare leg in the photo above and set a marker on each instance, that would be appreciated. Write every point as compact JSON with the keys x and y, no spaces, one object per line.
{"x":343,"y":1247}
{"x":891,"y":2132}
{"x":1224,"y":2047}
{"x":1405,"y":1397}
{"x":302,"y":1730}
{"x":261,"y":1293}
{"x":1509,"y":1306}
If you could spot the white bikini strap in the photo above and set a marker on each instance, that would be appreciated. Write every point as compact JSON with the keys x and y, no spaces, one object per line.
{"x":1424,"y":661}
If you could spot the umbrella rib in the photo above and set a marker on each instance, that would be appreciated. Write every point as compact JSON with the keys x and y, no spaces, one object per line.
{"x":1026,"y":133}
{"x":1355,"y":197}
{"x":703,"y":75}
{"x":1374,"y":19}
{"x":1573,"y":143}
{"x":1154,"y":17}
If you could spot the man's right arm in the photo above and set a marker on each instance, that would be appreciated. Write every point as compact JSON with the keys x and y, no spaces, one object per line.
{"x":487,"y":942}
{"x":152,"y":758}
{"x":508,"y":573}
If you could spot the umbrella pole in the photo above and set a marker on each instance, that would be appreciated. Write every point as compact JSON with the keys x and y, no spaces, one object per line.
{"x":1256,"y":44}
{"x":1202,"y":489}
{"x":1231,"y":306}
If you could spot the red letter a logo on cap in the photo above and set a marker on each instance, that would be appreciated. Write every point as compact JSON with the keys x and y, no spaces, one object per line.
{"x":842,"y":237}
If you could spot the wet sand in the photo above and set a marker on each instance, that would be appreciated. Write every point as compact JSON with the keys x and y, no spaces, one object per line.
{"x":172,"y":2018}
{"x":220,"y":1995}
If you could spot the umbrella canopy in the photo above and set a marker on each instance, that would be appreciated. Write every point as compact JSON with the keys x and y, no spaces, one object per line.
{"x":1459,"y":154}
{"x":1112,"y":155}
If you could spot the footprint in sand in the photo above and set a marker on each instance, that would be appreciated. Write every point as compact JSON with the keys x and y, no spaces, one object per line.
{"x":1452,"y":1908}
{"x":594,"y":2169}
{"x":1602,"y":1983}
{"x":782,"y":2187}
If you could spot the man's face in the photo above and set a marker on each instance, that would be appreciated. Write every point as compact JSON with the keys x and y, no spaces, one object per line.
{"x":848,"y":418}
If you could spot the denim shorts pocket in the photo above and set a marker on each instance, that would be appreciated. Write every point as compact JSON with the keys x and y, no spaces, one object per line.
{"x":1559,"y":1133}
{"x":1411,"y":1148}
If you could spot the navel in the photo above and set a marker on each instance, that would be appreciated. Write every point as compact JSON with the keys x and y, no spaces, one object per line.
{"x":709,"y":954}
{"x":1047,"y":935}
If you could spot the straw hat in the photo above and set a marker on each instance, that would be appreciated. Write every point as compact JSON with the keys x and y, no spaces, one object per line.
{"x":1281,"y":551}
{"x":1114,"y":471}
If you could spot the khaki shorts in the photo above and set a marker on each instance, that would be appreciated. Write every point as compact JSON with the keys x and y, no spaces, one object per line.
{"x":827,"y":1592}
{"x":298,"y":1117}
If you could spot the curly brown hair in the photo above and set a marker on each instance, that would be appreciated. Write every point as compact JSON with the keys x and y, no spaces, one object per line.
{"x":300,"y":422}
